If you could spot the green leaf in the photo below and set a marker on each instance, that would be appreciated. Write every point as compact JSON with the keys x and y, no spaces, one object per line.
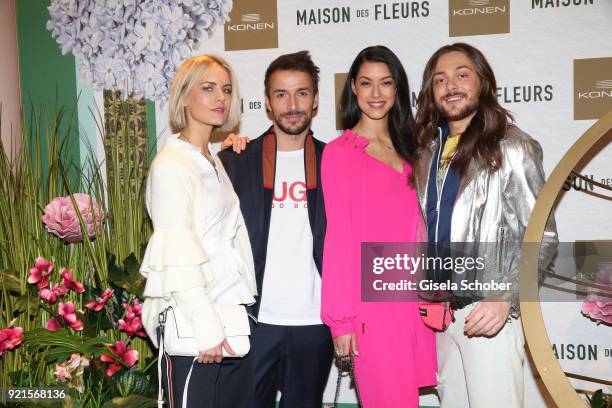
{"x":128,"y":277}
{"x":30,"y":300}
{"x":132,"y":381}
{"x":143,"y":249}
{"x":112,"y":263}
{"x":597,"y":400}
{"x":131,"y":265}
{"x":9,"y":280}
{"x":20,"y":377}
{"x":62,"y":343}
{"x":133,"y":401}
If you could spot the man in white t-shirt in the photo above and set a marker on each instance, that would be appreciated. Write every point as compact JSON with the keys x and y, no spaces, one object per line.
{"x":278,"y":181}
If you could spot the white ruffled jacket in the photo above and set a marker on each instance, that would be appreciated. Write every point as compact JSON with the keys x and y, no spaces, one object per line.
{"x":199,"y":253}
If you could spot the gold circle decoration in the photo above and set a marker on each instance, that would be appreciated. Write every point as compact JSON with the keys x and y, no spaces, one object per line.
{"x":547,"y":365}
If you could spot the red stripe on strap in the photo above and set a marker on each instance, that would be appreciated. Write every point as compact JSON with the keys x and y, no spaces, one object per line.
{"x":169,"y":377}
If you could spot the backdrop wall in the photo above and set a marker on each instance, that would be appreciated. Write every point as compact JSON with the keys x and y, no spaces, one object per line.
{"x":553,"y":63}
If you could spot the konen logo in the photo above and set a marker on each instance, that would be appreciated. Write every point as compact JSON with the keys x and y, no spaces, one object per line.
{"x":603,"y":90}
{"x":479,"y":10}
{"x":479,"y":7}
{"x":478,"y":17}
{"x":250,"y":18}
{"x":605,"y":84}
{"x":251,"y":22}
{"x":592,"y":87}
{"x":252,"y":25}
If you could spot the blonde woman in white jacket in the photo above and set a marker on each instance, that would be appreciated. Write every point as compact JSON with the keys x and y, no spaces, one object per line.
{"x":199,"y":253}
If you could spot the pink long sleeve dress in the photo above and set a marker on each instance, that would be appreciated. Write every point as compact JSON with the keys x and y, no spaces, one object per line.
{"x":367,"y":200}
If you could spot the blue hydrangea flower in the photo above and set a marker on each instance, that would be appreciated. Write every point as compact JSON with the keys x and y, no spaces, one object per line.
{"x":133,"y":46}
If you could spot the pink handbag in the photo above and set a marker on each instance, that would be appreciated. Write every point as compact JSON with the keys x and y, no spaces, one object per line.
{"x":436,"y":315}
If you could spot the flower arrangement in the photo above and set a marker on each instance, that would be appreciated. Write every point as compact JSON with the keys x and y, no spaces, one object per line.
{"x":133,"y":46}
{"x":70,"y":311}
{"x":114,"y":356}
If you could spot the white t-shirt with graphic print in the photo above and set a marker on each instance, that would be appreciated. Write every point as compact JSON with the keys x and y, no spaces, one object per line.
{"x":291,"y":293}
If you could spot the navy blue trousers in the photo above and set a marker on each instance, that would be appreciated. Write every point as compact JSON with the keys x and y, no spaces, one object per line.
{"x":211,"y":385}
{"x":293,"y":359}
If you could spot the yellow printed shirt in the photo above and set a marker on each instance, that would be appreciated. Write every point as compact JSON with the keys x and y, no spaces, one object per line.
{"x":450,"y":147}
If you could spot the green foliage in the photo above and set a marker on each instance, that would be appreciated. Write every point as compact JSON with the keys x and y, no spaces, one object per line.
{"x":132,"y":381}
{"x":128,"y":276}
{"x":9,"y":281}
{"x":58,"y":346}
{"x":29,"y":179}
{"x":27,"y":302}
{"x":600,"y":400}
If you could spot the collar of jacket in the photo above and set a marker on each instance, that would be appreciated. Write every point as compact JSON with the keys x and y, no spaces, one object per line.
{"x":269,"y":150}
{"x":424,"y":162}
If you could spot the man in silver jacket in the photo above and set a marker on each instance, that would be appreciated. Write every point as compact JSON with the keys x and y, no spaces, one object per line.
{"x":478,"y":176}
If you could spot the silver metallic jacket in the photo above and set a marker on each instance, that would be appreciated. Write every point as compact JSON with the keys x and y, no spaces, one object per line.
{"x":495,"y":208}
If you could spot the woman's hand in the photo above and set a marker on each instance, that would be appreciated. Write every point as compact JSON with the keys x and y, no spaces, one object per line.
{"x":346,"y":344}
{"x":215,"y":354}
{"x":236,"y":141}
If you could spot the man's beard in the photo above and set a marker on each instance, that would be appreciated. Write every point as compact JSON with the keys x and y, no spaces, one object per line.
{"x":297,"y":128}
{"x":462,"y":114}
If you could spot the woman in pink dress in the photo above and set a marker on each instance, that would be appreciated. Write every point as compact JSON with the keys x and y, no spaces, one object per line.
{"x":369,"y":197}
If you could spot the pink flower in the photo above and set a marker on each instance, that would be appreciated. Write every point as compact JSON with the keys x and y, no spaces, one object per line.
{"x":39,"y":274}
{"x":135,"y":309}
{"x":71,"y":371}
{"x":70,"y":283}
{"x":122,"y":356}
{"x":10,"y":338}
{"x":77,"y":360}
{"x":132,"y":327}
{"x":597,"y":309}
{"x":61,"y":373}
{"x":598,"y":304}
{"x":98,"y":304}
{"x":67,"y":313}
{"x":61,"y":218}
{"x":53,"y":292}
{"x":53,"y":324}
{"x":132,"y":324}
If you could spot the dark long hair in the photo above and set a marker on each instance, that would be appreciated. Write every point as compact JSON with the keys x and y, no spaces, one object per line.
{"x":481,"y":138}
{"x":400,"y":116}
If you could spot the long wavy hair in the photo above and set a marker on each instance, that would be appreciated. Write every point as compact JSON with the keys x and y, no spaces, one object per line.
{"x":400,"y":116}
{"x":481,"y":139}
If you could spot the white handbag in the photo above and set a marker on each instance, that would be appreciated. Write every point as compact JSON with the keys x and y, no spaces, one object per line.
{"x":177,"y":339}
{"x":178,"y":336}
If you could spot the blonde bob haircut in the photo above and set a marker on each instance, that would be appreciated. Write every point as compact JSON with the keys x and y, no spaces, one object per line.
{"x":185,"y":78}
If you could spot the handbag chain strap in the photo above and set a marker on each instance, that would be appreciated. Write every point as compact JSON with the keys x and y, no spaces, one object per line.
{"x":346,"y":367}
